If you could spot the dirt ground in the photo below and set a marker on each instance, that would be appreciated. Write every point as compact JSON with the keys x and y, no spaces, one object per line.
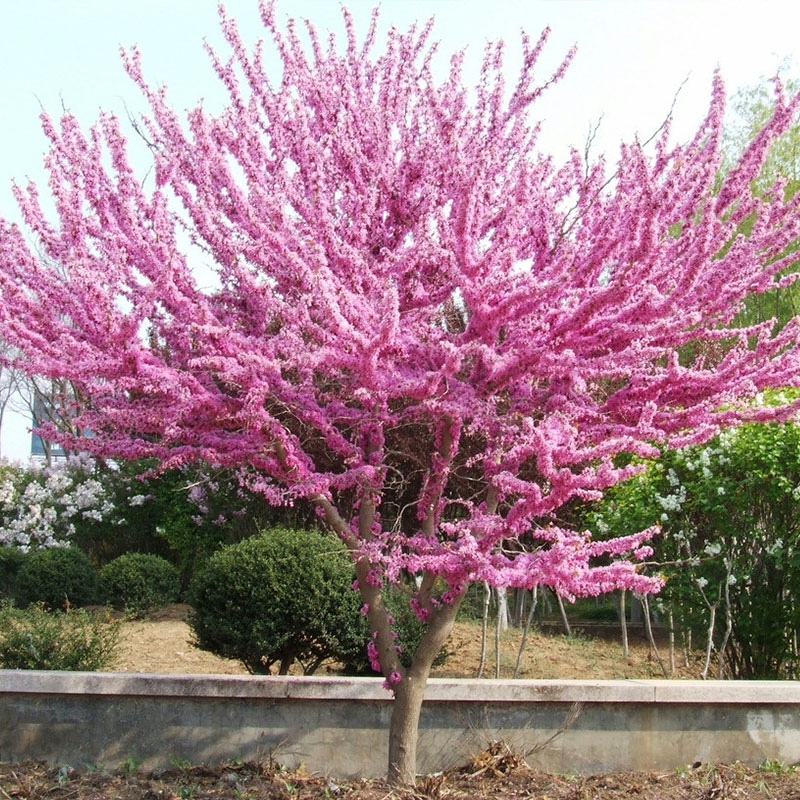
{"x":162,"y":644}
{"x":492,"y":775}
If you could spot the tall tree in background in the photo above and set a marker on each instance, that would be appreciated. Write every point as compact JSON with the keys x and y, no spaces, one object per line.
{"x":8,"y":380}
{"x":752,"y":108}
{"x":421,"y":323}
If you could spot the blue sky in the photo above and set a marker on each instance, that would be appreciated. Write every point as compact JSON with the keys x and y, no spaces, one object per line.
{"x":632,"y":57}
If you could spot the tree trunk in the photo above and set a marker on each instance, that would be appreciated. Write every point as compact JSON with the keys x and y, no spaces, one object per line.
{"x":712,"y":621}
{"x":728,"y":628}
{"x":497,"y":624}
{"x":563,"y":612}
{"x":648,"y":627}
{"x":487,"y":596}
{"x":502,"y":607}
{"x":404,"y":731}
{"x":671,"y":622}
{"x":520,"y":596}
{"x":623,"y":621}
{"x":409,"y":693}
{"x":637,"y":618}
{"x":528,"y":621}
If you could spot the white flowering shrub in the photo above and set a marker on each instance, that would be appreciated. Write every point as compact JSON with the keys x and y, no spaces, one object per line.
{"x":41,"y":506}
{"x":729,"y":546}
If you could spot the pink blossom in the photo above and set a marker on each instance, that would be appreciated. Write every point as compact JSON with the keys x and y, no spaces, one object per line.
{"x":392,"y":680}
{"x":374,"y":658}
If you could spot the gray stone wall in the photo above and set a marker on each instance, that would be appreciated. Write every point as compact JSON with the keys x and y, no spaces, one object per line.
{"x":338,"y":726}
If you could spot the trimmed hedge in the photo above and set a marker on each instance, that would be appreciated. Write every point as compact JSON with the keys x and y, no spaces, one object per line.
{"x":286,"y":596}
{"x":138,"y":583}
{"x":11,"y":560}
{"x":58,"y":577}
{"x":282,"y":597}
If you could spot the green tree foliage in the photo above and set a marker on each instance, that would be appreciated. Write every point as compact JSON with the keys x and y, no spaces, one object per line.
{"x":133,"y":524}
{"x":183,"y":514}
{"x":730,"y":518}
{"x":751,"y":108}
{"x":158,"y":515}
{"x":201,"y":509}
{"x":11,"y":559}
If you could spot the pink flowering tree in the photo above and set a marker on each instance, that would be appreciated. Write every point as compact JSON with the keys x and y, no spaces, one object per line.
{"x":419,"y":322}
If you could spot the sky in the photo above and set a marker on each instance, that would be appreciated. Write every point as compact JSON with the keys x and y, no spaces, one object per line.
{"x":633,"y":57}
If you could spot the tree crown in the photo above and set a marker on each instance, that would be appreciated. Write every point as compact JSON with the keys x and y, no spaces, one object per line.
{"x":419,"y":321}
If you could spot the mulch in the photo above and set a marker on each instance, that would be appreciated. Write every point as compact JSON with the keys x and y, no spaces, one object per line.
{"x":496,"y":773}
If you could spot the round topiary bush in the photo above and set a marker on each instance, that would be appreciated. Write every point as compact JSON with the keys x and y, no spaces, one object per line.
{"x":281,"y":597}
{"x":57,"y":577}
{"x":139,"y":582}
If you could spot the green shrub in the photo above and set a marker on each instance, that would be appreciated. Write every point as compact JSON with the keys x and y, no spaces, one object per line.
{"x":11,"y":559}
{"x":286,"y":596}
{"x":59,"y":577}
{"x":604,"y":609}
{"x":139,"y":582}
{"x":280,"y":597}
{"x":34,"y":638}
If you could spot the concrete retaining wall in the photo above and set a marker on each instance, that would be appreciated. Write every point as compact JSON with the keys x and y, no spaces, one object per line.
{"x":338,"y":726}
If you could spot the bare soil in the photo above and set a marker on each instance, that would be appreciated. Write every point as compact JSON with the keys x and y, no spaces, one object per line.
{"x":163,"y":644}
{"x":492,"y":775}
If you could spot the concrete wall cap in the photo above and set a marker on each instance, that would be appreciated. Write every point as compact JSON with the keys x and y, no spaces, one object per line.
{"x":438,"y":690}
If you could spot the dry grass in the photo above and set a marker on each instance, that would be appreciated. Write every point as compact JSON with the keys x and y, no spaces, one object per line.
{"x":163,"y":644}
